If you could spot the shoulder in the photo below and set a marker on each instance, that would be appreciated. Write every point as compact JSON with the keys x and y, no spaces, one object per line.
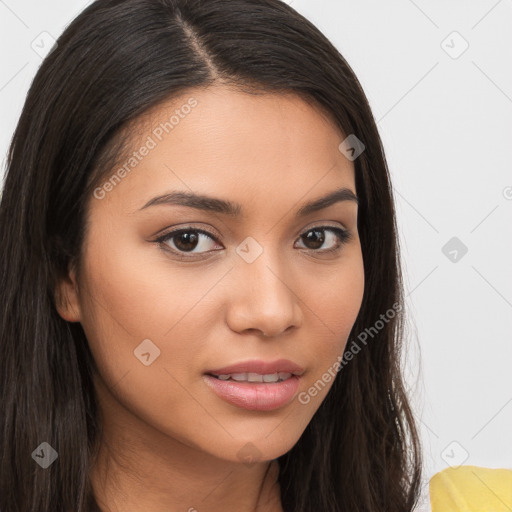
{"x":471,"y":489}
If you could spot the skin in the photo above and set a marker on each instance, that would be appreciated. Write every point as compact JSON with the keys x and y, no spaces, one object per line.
{"x":170,"y":443}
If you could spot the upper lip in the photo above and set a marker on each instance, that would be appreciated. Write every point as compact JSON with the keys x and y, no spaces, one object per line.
{"x":260,"y":367}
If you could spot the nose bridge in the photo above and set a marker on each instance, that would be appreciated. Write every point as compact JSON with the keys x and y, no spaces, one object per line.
{"x":265,"y":299}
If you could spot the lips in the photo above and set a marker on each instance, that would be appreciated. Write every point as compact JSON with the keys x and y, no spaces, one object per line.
{"x":239,"y":384}
{"x":259,"y":367}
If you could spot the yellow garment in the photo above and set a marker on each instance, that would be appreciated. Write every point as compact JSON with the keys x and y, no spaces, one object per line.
{"x":471,"y":489}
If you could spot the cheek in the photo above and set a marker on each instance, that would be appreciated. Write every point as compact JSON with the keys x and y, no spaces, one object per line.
{"x":334,"y":307}
{"x":334,"y":296}
{"x":138,"y":290}
{"x":141,"y":303}
{"x":147,"y":323}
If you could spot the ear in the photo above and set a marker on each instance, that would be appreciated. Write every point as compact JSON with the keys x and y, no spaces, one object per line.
{"x":67,"y":297}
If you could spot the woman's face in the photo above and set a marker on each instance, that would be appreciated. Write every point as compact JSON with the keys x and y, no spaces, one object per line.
{"x":161,"y":311}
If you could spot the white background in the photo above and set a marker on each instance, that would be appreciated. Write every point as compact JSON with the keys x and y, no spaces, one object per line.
{"x":446,"y":123}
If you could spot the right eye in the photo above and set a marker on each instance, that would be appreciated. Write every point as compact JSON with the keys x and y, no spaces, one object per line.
{"x":186,"y":240}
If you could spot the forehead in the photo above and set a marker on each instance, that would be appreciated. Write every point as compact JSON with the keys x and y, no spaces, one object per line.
{"x":232,"y":143}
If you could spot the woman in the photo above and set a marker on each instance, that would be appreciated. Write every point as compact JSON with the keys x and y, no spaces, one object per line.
{"x":202,"y":298}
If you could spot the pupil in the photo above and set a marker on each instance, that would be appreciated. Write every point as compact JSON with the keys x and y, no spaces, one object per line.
{"x":317,"y":238}
{"x":187,"y":238}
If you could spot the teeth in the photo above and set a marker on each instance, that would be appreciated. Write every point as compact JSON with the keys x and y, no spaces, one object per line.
{"x":239,"y":376}
{"x":256,"y":377}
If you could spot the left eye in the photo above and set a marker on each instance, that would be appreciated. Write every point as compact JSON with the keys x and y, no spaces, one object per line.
{"x":187,"y":240}
{"x":316,"y":237}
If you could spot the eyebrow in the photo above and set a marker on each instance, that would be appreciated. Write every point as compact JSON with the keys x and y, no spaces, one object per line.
{"x":229,"y":208}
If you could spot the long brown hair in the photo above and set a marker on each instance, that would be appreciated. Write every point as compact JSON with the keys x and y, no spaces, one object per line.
{"x":115,"y":61}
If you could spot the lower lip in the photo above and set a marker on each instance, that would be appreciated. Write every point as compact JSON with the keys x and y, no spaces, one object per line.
{"x":255,"y":396}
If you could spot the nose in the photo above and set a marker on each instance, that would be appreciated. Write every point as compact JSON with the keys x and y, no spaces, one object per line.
{"x":262,"y":297}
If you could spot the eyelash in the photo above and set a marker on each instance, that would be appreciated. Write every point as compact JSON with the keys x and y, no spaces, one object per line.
{"x":343,"y":236}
